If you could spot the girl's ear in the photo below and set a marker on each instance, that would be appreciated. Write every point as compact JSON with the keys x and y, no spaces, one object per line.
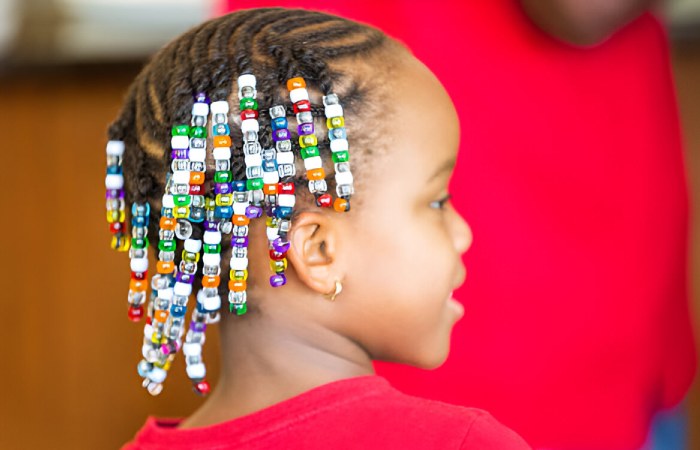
{"x":313,"y":251}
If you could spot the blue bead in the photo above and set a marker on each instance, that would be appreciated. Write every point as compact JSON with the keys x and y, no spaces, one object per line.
{"x":239,"y":185}
{"x":283,"y":212}
{"x":278,"y":123}
{"x":337,"y":133}
{"x":221,"y":129}
{"x":177,"y":311}
{"x":197,"y":215}
{"x":143,"y":368}
{"x":145,"y":207}
{"x":223,"y":212}
{"x":115,"y":169}
{"x":166,"y":212}
{"x":138,"y":221}
{"x":269,"y":166}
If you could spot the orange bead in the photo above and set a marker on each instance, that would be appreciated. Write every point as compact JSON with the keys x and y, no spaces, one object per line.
{"x":196,"y":177}
{"x":211,"y":281}
{"x":240,"y":220}
{"x":222,"y":141}
{"x":340,"y":204}
{"x":168,"y":223}
{"x":160,"y":315}
{"x":237,"y":285}
{"x":270,"y":189}
{"x":316,"y":174}
{"x":295,"y":83}
{"x":138,"y":285}
{"x":165,"y":266}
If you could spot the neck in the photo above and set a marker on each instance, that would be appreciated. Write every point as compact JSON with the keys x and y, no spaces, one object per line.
{"x":269,"y":359}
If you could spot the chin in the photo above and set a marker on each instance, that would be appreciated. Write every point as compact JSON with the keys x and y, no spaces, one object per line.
{"x":432,"y":358}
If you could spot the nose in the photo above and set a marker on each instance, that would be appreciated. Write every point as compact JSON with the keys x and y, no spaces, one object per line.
{"x":461,"y":233}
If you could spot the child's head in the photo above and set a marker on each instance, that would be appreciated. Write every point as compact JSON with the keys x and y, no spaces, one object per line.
{"x":396,"y":252}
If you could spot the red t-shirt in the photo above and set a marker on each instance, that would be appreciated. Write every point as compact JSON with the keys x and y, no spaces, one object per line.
{"x":571,"y":176}
{"x":358,"y":413}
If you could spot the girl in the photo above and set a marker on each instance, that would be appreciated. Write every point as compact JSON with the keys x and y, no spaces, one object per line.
{"x":360,"y":264}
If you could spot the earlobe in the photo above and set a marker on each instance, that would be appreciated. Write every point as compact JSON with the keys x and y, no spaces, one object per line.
{"x":313,"y":250}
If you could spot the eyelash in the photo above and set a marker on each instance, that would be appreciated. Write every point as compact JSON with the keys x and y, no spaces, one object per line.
{"x":440,"y":204}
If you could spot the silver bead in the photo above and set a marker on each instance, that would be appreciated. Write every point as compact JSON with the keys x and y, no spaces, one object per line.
{"x":166,"y":235}
{"x":252,"y":148}
{"x":330,"y":99}
{"x":240,"y":231}
{"x":183,"y":229}
{"x":222,"y":164}
{"x":305,"y":117}
{"x":284,"y":146}
{"x":226,"y":227}
{"x":197,"y":166}
{"x":278,"y":111}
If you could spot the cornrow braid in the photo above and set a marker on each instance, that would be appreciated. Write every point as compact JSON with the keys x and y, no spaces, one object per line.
{"x":273,"y":45}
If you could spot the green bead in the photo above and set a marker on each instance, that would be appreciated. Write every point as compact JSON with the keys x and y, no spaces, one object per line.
{"x":254,"y":184}
{"x":308,"y":152}
{"x":166,"y":245}
{"x":212,"y":248}
{"x":182,"y":199}
{"x":198,"y":132}
{"x":238,"y":309}
{"x":181,"y":130}
{"x":223,"y":176}
{"x":249,"y":103}
{"x":139,"y":243}
{"x":342,"y":156}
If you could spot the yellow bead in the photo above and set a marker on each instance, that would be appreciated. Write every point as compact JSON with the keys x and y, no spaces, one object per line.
{"x":238,"y":274}
{"x":154,"y":338}
{"x":115,"y":215}
{"x":181,"y":212}
{"x":210,"y":203}
{"x":224,"y":199}
{"x":308,"y":140}
{"x":120,"y":243}
{"x":335,"y":122}
{"x":278,"y":266}
{"x":190,"y":257}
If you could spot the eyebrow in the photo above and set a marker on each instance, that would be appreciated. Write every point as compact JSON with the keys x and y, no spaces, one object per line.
{"x":446,"y":166}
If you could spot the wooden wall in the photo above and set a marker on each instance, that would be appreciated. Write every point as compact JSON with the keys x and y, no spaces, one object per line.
{"x":68,"y":352}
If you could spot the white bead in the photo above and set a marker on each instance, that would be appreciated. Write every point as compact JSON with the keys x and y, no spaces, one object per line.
{"x":178,"y":142}
{"x":200,"y":109}
{"x":334,"y":111}
{"x":192,"y":349}
{"x":147,"y":333}
{"x":272,"y":233}
{"x":298,"y":94}
{"x":271,"y":177}
{"x":286,"y":200}
{"x":168,"y":201}
{"x":211,"y":259}
{"x":193,"y":245}
{"x":253,"y":160}
{"x":182,"y":289}
{"x":314,"y":162}
{"x":181,"y":177}
{"x":220,"y":107}
{"x":239,"y":263}
{"x":165,"y":294}
{"x":343,"y":178}
{"x":115,"y":148}
{"x":146,"y":348}
{"x":212,"y":237}
{"x":139,"y":264}
{"x":196,"y":371}
{"x":250,"y":125}
{"x":239,"y":208}
{"x":114,"y":181}
{"x":222,"y":153}
{"x":157,"y":375}
{"x":198,"y":154}
{"x":247,"y":79}
{"x":339,"y":145}
{"x":285,"y":158}
{"x":209,"y":303}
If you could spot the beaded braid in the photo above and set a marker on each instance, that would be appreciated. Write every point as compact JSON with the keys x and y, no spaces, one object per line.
{"x":257,"y":176}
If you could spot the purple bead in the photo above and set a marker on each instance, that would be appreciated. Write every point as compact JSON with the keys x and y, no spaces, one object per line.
{"x":239,"y":241}
{"x":281,"y":135}
{"x":183,"y":277}
{"x":201,"y":97}
{"x":253,"y":212}
{"x":280,"y":246}
{"x":115,"y":193}
{"x":278,"y":280}
{"x":223,"y":188}
{"x":211,"y":226}
{"x":199,"y":327}
{"x":305,"y":128}
{"x":180,"y":153}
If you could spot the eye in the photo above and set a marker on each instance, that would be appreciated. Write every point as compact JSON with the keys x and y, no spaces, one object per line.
{"x":440,"y":204}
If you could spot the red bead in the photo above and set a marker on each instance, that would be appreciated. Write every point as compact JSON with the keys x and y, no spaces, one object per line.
{"x":149,"y":321}
{"x":202,"y":388}
{"x":196,"y":189}
{"x":324,"y":201}
{"x":249,"y":114}
{"x":135,"y":313}
{"x":276,"y":256}
{"x":286,"y":188}
{"x":116,"y":227}
{"x":301,"y":106}
{"x":139,"y":275}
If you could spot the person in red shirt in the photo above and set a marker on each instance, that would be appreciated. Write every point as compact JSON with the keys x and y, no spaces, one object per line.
{"x":297,"y":368}
{"x":571,"y":174}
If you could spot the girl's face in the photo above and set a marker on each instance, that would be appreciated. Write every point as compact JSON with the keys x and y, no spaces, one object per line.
{"x":405,"y":241}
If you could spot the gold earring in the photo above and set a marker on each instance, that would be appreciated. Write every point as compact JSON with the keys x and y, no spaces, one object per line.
{"x":338,"y":289}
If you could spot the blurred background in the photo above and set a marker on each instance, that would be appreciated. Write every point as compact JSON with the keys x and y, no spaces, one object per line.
{"x":69,"y":354}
